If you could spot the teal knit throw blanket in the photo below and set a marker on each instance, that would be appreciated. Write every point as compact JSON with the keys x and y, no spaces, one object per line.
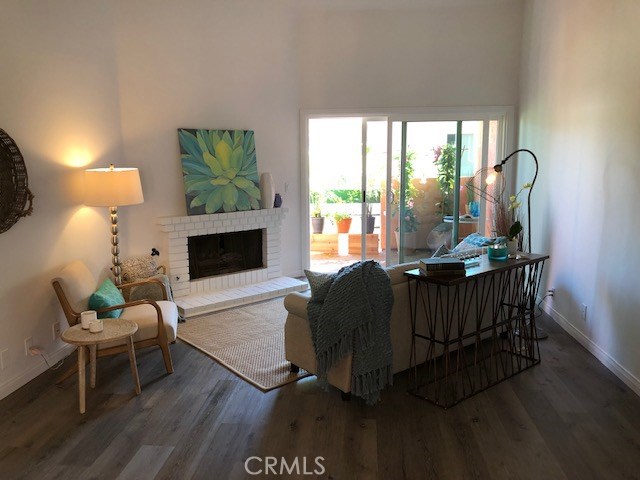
{"x":354,"y":317}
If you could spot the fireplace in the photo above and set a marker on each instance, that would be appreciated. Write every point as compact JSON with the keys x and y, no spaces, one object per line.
{"x":225,"y":253}
{"x":179,"y":230}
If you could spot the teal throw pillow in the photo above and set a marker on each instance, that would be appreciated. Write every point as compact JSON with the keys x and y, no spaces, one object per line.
{"x":107,"y":295}
{"x":320,"y":283}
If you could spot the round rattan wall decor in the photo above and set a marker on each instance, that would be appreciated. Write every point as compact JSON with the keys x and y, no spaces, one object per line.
{"x":14,"y":190}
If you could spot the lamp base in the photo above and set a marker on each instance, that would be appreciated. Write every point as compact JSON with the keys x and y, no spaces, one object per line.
{"x":115,"y":248}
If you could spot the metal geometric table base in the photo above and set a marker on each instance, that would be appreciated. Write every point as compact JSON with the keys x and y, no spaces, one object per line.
{"x":465,"y":339}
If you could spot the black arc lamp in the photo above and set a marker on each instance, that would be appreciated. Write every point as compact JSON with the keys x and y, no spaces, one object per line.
{"x":498,"y":168}
{"x":541,"y":334}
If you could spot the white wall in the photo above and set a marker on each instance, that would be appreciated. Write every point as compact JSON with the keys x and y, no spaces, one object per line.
{"x":442,"y":56}
{"x":88,"y":82}
{"x":59,"y":102}
{"x":228,"y":64}
{"x":580,"y":112}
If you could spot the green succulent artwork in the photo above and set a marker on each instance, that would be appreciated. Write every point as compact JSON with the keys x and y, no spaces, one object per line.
{"x":219,"y":169}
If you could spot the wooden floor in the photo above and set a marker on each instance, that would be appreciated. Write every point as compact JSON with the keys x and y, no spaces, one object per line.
{"x":566,"y":418}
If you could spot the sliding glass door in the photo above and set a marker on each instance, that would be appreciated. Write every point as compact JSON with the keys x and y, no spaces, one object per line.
{"x":400,"y":179}
{"x":347,"y":178}
{"x":432,"y":163}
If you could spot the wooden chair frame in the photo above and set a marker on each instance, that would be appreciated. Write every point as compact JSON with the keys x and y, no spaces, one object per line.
{"x":160,"y":340}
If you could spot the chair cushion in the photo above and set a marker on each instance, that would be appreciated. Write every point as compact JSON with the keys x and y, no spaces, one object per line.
{"x":107,"y":295}
{"x":147,"y":319}
{"x":78,"y":283}
{"x":151,"y":290}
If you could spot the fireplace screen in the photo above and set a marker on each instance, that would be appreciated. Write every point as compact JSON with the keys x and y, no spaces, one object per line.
{"x":224,"y":253}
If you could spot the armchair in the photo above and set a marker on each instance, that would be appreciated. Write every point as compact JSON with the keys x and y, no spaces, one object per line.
{"x":157,"y":320}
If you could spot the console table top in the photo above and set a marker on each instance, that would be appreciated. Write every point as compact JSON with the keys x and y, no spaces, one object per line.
{"x":487,"y":267}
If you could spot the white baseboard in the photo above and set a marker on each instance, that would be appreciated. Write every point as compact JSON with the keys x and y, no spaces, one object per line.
{"x":607,"y":360}
{"x":13,"y":384}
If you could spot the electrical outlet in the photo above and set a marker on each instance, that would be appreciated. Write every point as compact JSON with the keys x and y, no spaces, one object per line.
{"x":55,"y":330}
{"x":552,"y":291}
{"x":4,"y":358}
{"x":28,"y":343}
{"x":583,"y":311}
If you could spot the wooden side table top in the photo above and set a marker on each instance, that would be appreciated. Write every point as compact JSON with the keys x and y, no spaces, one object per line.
{"x":114,"y":329}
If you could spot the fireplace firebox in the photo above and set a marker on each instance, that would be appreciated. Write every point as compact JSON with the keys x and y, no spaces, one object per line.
{"x":224,"y":253}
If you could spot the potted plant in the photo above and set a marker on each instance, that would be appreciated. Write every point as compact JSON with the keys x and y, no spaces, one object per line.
{"x":506,"y":220}
{"x":409,"y":225}
{"x":317,"y":220}
{"x":371,"y":220}
{"x":342,"y":221}
{"x":445,"y":160}
{"x":410,"y":221}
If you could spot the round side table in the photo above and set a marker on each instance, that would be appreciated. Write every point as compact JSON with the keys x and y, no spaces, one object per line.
{"x":114,"y":330}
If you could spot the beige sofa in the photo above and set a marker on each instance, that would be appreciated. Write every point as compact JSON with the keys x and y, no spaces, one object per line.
{"x":299,"y":347}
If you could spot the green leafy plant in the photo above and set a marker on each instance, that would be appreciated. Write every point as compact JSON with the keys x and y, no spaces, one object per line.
{"x":506,"y":221}
{"x":410,"y":222}
{"x":410,"y":190}
{"x":316,"y":200}
{"x":445,"y":160}
{"x":514,"y":230}
{"x":516,"y":227}
{"x":339,"y":216}
{"x":220,"y":169}
{"x":344,"y":196}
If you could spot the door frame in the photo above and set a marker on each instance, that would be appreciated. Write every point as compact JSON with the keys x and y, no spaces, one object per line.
{"x":506,"y":142}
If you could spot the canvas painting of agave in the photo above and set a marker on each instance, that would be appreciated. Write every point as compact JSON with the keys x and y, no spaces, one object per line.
{"x":219,"y":169}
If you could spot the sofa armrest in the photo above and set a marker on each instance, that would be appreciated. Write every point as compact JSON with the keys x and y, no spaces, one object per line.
{"x":396,"y":272}
{"x":296,"y":303}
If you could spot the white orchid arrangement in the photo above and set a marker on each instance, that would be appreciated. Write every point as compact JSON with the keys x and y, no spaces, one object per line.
{"x":506,"y":220}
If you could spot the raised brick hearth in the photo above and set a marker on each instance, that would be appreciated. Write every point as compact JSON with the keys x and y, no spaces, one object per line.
{"x":195,"y":297}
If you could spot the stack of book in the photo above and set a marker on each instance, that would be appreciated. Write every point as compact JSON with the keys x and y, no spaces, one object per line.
{"x":442,"y":267}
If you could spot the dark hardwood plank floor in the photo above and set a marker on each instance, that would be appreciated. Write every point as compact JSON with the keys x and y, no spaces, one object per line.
{"x":568,"y":418}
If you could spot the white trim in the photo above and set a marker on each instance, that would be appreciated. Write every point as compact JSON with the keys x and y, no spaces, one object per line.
{"x":607,"y":360}
{"x":416,"y":113}
{"x":305,"y":249}
{"x":484,"y":164}
{"x":21,"y":379}
{"x":387,"y":216}
{"x":363,"y":187}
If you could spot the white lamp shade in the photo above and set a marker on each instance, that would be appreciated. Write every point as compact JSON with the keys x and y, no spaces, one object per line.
{"x":112,"y":187}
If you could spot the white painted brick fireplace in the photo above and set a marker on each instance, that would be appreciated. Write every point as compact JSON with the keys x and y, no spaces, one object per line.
{"x":203,"y":295}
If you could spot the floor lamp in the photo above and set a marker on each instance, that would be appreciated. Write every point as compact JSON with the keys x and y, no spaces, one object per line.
{"x":498,"y":168}
{"x":113,"y":187}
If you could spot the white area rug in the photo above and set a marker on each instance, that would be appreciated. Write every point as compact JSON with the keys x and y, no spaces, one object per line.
{"x":247,"y":340}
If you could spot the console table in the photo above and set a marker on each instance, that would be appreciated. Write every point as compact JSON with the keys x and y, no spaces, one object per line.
{"x":478,"y":329}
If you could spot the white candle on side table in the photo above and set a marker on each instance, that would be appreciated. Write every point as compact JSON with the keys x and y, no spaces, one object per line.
{"x":87,"y":317}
